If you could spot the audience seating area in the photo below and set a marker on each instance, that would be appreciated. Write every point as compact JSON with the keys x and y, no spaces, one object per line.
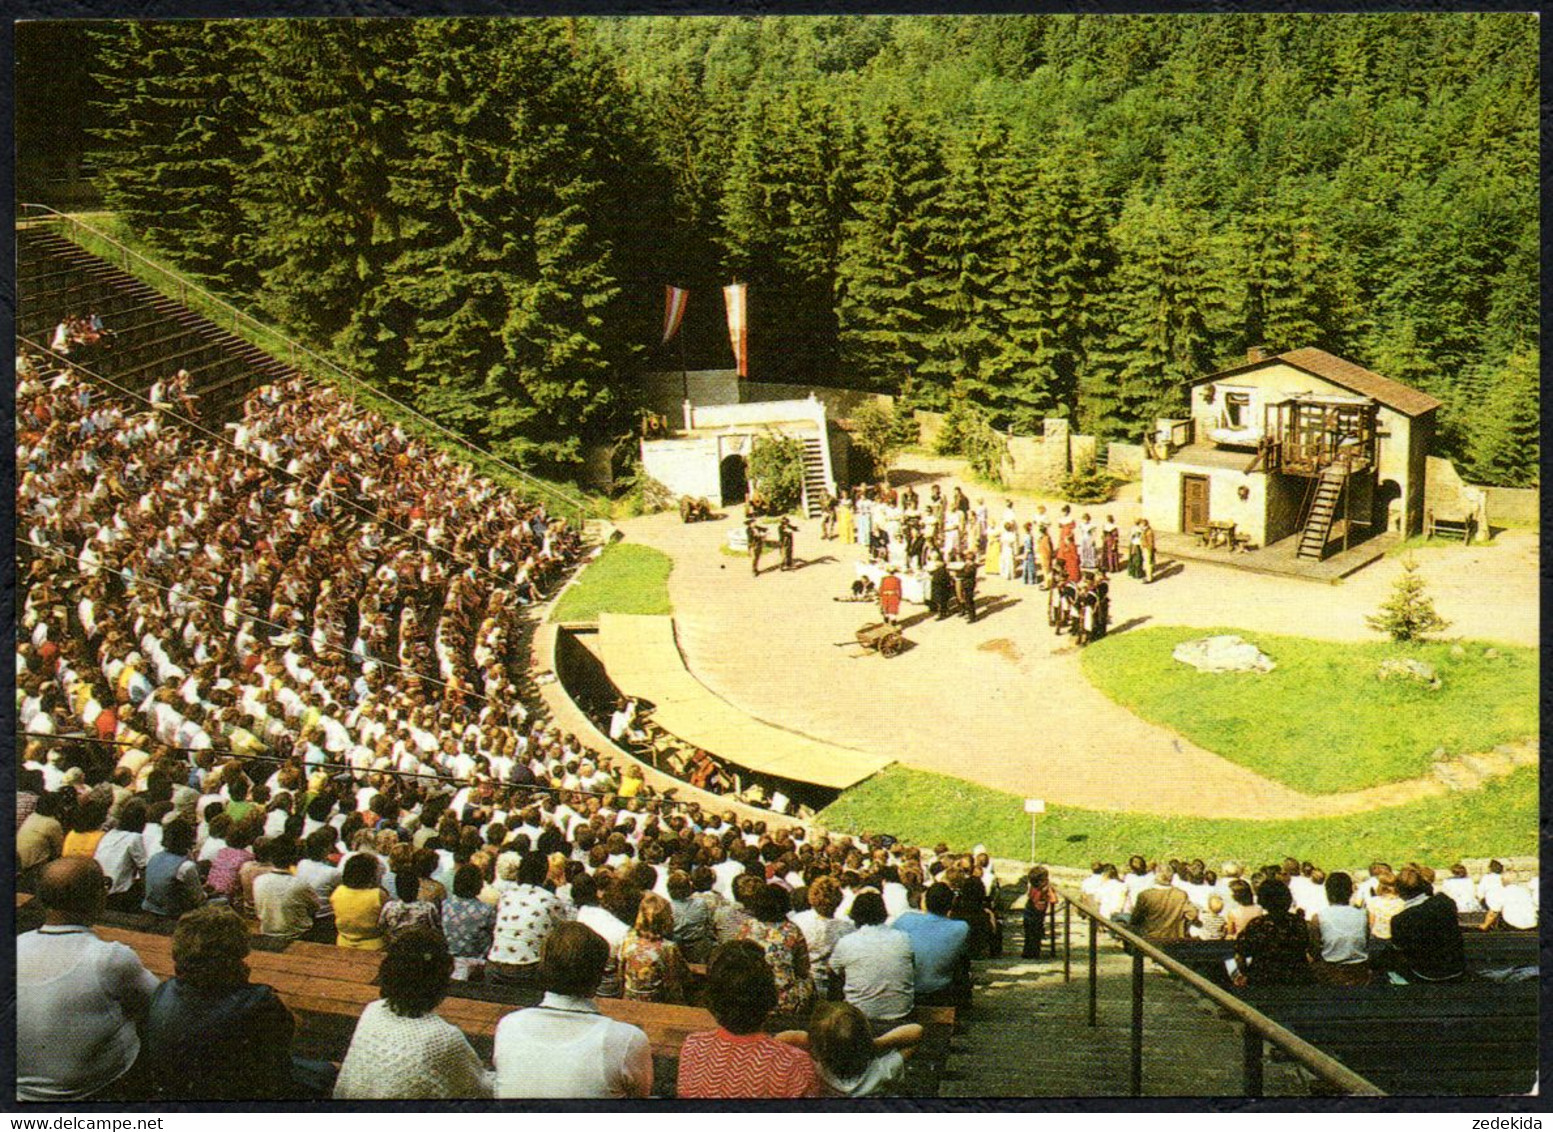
{"x":152,"y":336}
{"x":327,"y":987}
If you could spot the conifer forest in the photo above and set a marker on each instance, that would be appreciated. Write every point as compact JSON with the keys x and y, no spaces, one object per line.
{"x":1042,"y":215}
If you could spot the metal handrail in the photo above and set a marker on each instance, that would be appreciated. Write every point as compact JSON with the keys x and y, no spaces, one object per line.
{"x":1256,"y":1027}
{"x":240,"y":316}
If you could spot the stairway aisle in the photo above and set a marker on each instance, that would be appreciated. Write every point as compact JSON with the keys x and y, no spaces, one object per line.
{"x":1027,"y":1034}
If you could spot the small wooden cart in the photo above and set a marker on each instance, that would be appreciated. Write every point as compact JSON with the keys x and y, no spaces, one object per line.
{"x":881,"y":637}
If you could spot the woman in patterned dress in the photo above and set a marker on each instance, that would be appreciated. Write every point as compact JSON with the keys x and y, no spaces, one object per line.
{"x":787,"y":953}
{"x":651,"y":966}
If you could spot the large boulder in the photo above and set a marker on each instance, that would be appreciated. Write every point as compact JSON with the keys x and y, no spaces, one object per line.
{"x":1225,"y":653}
{"x":1406,"y":668}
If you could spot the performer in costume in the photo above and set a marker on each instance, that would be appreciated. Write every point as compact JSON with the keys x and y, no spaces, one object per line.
{"x":757,"y":540}
{"x":890,"y":595}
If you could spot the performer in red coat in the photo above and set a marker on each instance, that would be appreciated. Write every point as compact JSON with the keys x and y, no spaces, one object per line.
{"x":890,"y":595}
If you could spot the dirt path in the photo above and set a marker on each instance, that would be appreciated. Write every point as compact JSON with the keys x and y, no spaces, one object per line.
{"x":1003,"y":702}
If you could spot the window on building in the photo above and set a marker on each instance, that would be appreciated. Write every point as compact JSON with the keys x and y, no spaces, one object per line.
{"x":1237,"y":409}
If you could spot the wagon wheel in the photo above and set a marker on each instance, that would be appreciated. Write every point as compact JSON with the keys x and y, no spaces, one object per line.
{"x":890,"y":645}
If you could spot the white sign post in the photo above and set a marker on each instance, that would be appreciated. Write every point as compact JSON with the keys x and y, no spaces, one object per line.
{"x":1034,"y":807}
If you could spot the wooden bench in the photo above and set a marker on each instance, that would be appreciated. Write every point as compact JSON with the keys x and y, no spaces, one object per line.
{"x":320,"y":979}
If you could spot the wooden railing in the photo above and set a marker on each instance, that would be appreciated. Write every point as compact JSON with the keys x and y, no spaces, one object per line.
{"x":292,"y":351}
{"x":1256,"y":1028}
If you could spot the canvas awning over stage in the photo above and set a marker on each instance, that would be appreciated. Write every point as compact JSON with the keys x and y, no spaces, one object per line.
{"x":643,"y":659}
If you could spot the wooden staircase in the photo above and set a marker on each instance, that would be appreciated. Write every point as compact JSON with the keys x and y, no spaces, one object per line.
{"x":1323,"y":512}
{"x":815,"y":485}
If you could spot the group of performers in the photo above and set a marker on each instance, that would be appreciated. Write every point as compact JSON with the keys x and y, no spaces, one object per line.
{"x":1082,"y":608}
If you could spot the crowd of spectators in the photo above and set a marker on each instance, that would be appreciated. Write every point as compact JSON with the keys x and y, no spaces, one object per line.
{"x":269,"y":679}
{"x":1293,"y":922}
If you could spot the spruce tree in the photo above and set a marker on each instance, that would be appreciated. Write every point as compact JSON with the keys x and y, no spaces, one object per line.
{"x":1167,"y":309}
{"x":171,"y":133}
{"x":786,"y":196}
{"x":1508,"y":434}
{"x":332,"y":125}
{"x":883,"y":317}
{"x":1409,"y":613}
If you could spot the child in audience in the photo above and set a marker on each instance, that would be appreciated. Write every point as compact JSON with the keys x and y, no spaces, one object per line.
{"x":1210,"y":924}
{"x":850,"y":1061}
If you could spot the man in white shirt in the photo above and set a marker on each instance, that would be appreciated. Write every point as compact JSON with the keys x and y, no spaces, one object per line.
{"x":78,"y":998}
{"x":875,"y":965}
{"x":565,"y":1047}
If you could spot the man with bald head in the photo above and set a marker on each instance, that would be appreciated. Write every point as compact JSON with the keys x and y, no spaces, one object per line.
{"x":78,"y":998}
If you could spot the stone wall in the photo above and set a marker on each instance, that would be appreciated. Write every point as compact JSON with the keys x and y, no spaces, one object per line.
{"x":838,"y":402}
{"x":1125,"y":460}
{"x":1032,"y":463}
{"x":1514,"y":504}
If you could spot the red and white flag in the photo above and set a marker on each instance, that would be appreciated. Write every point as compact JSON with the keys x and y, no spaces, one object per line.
{"x":738,"y":330}
{"x":674,"y":299}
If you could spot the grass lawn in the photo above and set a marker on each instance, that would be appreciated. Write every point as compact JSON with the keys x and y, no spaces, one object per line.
{"x":626,"y":578}
{"x":924,"y":808}
{"x":1321,"y":721}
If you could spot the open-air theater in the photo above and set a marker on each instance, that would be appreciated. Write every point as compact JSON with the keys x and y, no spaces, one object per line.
{"x":355,"y":665}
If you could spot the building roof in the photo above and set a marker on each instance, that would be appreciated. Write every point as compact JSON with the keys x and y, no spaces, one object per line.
{"x":1329,"y":367}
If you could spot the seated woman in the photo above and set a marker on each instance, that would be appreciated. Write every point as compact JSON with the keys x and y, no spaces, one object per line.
{"x":469,"y":921}
{"x":173,"y":884}
{"x":972,"y":906}
{"x":213,"y":1035}
{"x":358,"y":904}
{"x":652,"y":968}
{"x":1242,"y":910}
{"x":737,"y":1060}
{"x":407,"y":908}
{"x":401,"y":1049}
{"x":786,"y":952}
{"x":1272,"y":948}
{"x":1339,"y":937}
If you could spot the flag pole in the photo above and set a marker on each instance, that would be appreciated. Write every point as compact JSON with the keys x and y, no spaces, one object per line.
{"x":684,"y":369}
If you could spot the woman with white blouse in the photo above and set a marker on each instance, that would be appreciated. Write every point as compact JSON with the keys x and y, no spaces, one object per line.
{"x":401,"y":1049}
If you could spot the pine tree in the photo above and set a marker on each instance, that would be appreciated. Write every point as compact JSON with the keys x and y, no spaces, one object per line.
{"x":882,"y":315}
{"x":1409,"y":613}
{"x":1507,"y":438}
{"x":172,"y":127}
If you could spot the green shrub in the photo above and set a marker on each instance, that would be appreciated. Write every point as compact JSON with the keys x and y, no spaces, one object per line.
{"x":1088,"y":485}
{"x":776,"y":470}
{"x":967,"y":433}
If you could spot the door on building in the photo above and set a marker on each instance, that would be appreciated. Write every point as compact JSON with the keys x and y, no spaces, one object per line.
{"x":734,"y":483}
{"x":1194,"y":503}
